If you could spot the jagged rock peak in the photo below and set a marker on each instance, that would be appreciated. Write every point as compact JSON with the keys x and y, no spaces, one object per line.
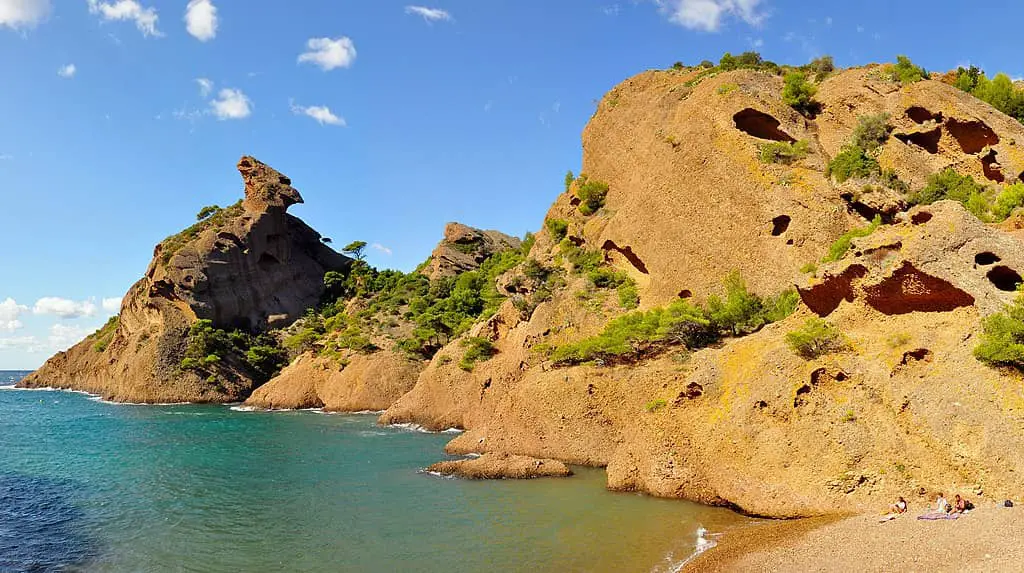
{"x":464,"y":248}
{"x":265,"y":187}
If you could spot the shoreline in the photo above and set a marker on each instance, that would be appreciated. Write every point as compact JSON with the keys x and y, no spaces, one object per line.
{"x":984,"y":539}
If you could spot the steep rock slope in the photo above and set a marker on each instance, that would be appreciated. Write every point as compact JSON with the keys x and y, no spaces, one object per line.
{"x":249,"y":266}
{"x":463,"y":248}
{"x":748,"y":423}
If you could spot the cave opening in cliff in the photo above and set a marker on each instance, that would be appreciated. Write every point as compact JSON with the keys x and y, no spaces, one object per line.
{"x":986,"y":258}
{"x":685,"y":293}
{"x":760,"y":125}
{"x":268,"y":261}
{"x":990,"y":167}
{"x":909,"y":289}
{"x":609,"y":246}
{"x":780,"y":225}
{"x":973,"y":136}
{"x":921,"y":115}
{"x":926,"y":140}
{"x":1004,"y":278}
{"x":921,"y":217}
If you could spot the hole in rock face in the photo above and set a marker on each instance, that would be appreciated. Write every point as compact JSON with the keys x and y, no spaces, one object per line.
{"x":911,"y":290}
{"x":973,"y":136}
{"x":693,"y":391}
{"x":799,"y":400}
{"x":915,"y":356}
{"x":921,"y":115}
{"x":1004,"y":278}
{"x":268,"y":261}
{"x":577,"y":241}
{"x":921,"y":217}
{"x":927,"y":140}
{"x":780,"y":225}
{"x":625,"y":252}
{"x":760,"y":404}
{"x":685,"y":294}
{"x":824,"y":297}
{"x":990,"y":166}
{"x":760,"y":125}
{"x":865,"y":211}
{"x":985,"y":259}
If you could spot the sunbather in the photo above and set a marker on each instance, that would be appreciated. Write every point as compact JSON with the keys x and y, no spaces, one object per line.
{"x":899,"y":507}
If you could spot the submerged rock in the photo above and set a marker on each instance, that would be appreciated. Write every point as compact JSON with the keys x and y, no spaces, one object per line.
{"x":499,"y":466}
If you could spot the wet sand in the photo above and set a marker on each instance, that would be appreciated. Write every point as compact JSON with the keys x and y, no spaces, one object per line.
{"x":990,"y":538}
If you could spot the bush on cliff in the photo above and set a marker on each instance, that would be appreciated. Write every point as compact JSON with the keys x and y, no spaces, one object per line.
{"x":478,"y":349}
{"x":174,"y":243}
{"x":558,"y":228}
{"x":105,"y":335}
{"x":843,"y":243}
{"x":906,"y":72}
{"x":631,"y":336}
{"x":591,"y":194}
{"x":208,"y":346}
{"x":872,"y":132}
{"x":784,"y":152}
{"x":798,"y":93}
{"x":852,"y":162}
{"x":1002,"y":343}
{"x":816,"y":338}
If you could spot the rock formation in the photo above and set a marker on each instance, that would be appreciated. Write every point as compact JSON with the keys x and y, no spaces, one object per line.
{"x":464,"y":248}
{"x":249,"y":267}
{"x":496,"y":466}
{"x":749,"y":424}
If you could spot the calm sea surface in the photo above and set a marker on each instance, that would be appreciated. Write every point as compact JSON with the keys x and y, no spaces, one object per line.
{"x":89,"y":486}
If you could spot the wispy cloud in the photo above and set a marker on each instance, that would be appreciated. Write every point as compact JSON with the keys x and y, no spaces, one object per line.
{"x":612,"y":10}
{"x":111,"y":304}
{"x":6,"y":157}
{"x":429,"y":15}
{"x":145,"y":18}
{"x":329,"y":54}
{"x":64,"y":308}
{"x":67,"y":71}
{"x":381,"y":248}
{"x":63,"y":336}
{"x":231,"y":104}
{"x":23,"y":13}
{"x":321,"y":113}
{"x":28,"y":344}
{"x":205,"y":86}
{"x":201,"y":19}
{"x":708,"y":15}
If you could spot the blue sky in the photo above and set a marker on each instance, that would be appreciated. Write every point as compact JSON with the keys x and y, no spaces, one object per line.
{"x":119,"y":119}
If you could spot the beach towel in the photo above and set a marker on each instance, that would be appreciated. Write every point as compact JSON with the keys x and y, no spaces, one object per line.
{"x":936,"y":516}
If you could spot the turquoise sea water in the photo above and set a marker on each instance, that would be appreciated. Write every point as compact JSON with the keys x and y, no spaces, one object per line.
{"x":90,"y":486}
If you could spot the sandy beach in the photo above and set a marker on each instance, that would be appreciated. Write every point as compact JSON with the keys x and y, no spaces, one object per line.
{"x":986,"y":539}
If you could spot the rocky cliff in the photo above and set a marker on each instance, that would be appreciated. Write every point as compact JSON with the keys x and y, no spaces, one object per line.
{"x":248,"y":267}
{"x":685,"y":198}
{"x":463,"y":248}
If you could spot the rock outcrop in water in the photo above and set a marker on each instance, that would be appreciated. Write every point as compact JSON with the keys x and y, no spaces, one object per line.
{"x":905,"y":409}
{"x":250,"y":266}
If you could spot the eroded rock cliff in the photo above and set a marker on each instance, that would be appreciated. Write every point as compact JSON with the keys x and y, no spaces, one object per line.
{"x":249,"y":266}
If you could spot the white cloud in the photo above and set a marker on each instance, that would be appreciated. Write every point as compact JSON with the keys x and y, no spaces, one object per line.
{"x":329,"y":54}
{"x":612,"y":10}
{"x":231,"y":104}
{"x":488,"y":106}
{"x":205,"y":86}
{"x":9,"y":313}
{"x":64,"y":308}
{"x":381,"y":248}
{"x":63,"y":336}
{"x":321,"y":113}
{"x":201,"y":19}
{"x":67,"y":71}
{"x":707,"y":15}
{"x":6,"y":157}
{"x":23,"y":13}
{"x":144,"y":18}
{"x":26,"y":343}
{"x":429,"y":14}
{"x":111,"y":304}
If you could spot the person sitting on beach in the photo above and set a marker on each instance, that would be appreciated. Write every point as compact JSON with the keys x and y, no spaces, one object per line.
{"x":959,"y":504}
{"x":941,"y":504}
{"x":899,"y":507}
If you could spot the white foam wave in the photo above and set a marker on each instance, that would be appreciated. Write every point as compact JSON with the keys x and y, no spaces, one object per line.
{"x":411,"y":427}
{"x":244,"y":408}
{"x":367,"y":412}
{"x":704,"y":542}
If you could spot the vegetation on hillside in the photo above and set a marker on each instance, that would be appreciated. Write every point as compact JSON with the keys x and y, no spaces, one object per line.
{"x":681,"y":323}
{"x":988,"y":203}
{"x":999,"y":91}
{"x":784,"y":152}
{"x":798,"y":93}
{"x":907,"y":72}
{"x":816,"y":338}
{"x":591,"y":194}
{"x":105,"y":335}
{"x":843,"y":243}
{"x":212,"y":217}
{"x":209,"y":346}
{"x":858,"y":159}
{"x":1002,"y":343}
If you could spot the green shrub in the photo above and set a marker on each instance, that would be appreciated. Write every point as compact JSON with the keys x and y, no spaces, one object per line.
{"x":207,"y":212}
{"x":477,"y":350}
{"x":605,"y":277}
{"x":784,"y":152}
{"x":656,"y":405}
{"x":444,"y":360}
{"x":528,"y":240}
{"x":816,"y":338}
{"x":570,"y":178}
{"x":852,"y":162}
{"x":809,"y":268}
{"x":872,"y":132}
{"x":171,"y":245}
{"x":680,"y":323}
{"x":843,"y":243}
{"x":105,"y":335}
{"x":947,"y":184}
{"x":1002,"y":342}
{"x":906,"y":72}
{"x":1009,"y":199}
{"x":629,"y":298}
{"x":798,"y":93}
{"x":821,"y":67}
{"x":558,"y":228}
{"x":581,"y":260}
{"x":726,"y":89}
{"x":591,"y":194}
